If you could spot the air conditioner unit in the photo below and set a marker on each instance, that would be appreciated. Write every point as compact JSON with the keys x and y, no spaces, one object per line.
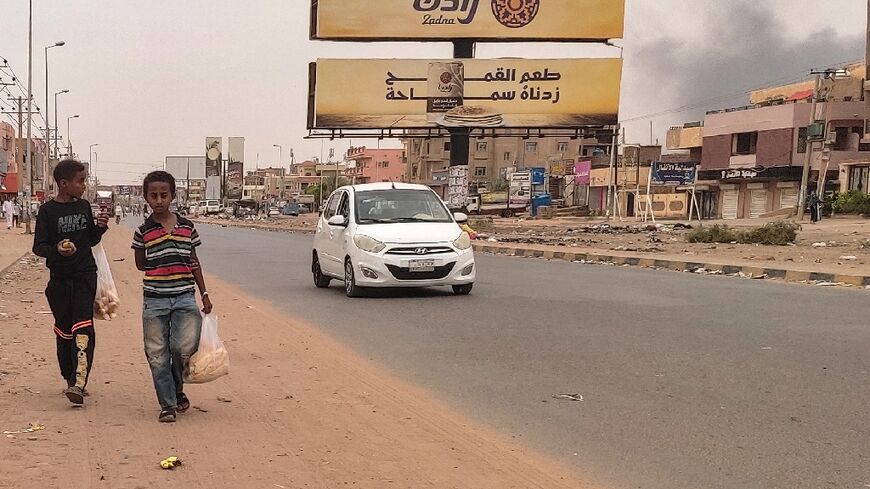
{"x":816,"y":131}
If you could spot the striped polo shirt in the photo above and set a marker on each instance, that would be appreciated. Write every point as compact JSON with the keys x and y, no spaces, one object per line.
{"x":167,"y":257}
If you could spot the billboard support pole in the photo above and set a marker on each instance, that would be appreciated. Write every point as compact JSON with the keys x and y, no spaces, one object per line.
{"x":459,"y":137}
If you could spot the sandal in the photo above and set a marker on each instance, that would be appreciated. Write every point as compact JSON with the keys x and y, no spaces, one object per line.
{"x":182,"y":402}
{"x":167,"y":416}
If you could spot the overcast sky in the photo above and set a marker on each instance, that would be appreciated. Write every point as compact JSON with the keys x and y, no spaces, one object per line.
{"x":155,"y":78}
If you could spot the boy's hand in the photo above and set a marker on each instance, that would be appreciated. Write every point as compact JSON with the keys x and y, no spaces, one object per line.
{"x":103,"y":220}
{"x":66,"y":248}
{"x":206,"y":305}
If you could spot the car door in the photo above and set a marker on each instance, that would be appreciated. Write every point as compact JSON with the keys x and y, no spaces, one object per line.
{"x":339,"y":234}
{"x":323,"y":242}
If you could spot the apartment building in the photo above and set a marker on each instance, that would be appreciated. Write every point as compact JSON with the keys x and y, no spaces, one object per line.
{"x":8,"y":165}
{"x":492,"y":159}
{"x":752,"y":157}
{"x":366,"y":165}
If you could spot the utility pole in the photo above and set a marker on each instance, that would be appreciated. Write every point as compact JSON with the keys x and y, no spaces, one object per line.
{"x":866,"y":78}
{"x":808,"y":157}
{"x":28,"y":176}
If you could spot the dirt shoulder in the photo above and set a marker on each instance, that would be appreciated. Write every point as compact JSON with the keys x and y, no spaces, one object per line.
{"x":842,"y":246}
{"x":297,"y":411}
{"x":13,"y":244}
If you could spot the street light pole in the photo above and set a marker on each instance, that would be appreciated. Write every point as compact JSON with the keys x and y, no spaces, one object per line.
{"x":56,"y":135}
{"x":28,"y":166}
{"x":69,"y":136}
{"x":47,"y":125}
{"x":808,"y":157}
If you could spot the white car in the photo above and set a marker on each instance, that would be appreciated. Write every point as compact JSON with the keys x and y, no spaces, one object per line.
{"x":391,"y":235}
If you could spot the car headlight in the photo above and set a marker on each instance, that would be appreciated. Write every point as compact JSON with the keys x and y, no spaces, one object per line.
{"x":368,"y":244}
{"x":463,"y":242}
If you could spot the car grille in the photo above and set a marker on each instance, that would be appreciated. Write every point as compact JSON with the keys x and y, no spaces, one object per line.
{"x":420,"y":250}
{"x":406,"y":274}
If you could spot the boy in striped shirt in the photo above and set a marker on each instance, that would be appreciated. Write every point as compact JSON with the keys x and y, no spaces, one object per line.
{"x":165,"y":249}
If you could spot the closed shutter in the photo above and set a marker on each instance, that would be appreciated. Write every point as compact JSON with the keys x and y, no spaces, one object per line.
{"x":729,"y":204}
{"x":788,"y":199}
{"x":757,"y":203}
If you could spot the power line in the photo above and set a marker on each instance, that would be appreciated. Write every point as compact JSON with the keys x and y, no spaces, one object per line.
{"x":786,"y":80}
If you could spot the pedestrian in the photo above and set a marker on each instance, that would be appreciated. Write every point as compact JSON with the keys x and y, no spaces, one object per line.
{"x":9,"y":213}
{"x":165,"y":249}
{"x":65,"y":232}
{"x":16,"y":214}
{"x":814,"y":207}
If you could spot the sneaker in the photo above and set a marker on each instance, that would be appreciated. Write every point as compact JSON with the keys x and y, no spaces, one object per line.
{"x":75,"y":395}
{"x":182,"y":402}
{"x":167,"y":416}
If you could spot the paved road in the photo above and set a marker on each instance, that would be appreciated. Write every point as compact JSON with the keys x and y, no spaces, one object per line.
{"x":688,"y":381}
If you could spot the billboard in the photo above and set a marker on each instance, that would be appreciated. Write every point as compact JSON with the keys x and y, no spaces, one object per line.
{"x":235,"y":168}
{"x":484,"y":20}
{"x":185,"y":167}
{"x":674,"y":173}
{"x":391,"y":93}
{"x":213,"y":164}
{"x":520,"y":188}
{"x":582,"y":172}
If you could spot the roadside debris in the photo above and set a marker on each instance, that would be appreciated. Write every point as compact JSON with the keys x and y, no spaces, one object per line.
{"x":568,"y":397}
{"x":170,"y":463}
{"x":32,"y":428}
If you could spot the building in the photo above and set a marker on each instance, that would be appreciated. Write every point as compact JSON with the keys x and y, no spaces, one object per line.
{"x":366,"y":165}
{"x":492,"y":160}
{"x":37,"y":168}
{"x":8,"y":160}
{"x":752,"y":157}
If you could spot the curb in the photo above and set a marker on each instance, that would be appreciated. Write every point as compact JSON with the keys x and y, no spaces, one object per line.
{"x":745,"y":271}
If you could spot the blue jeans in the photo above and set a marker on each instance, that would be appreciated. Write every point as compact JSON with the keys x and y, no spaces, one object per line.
{"x":171,"y":329}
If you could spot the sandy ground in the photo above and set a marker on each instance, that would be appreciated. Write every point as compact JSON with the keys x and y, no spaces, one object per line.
{"x":297,"y":411}
{"x":13,"y":244}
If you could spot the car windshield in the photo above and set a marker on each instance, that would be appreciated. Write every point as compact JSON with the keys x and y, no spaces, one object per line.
{"x":399,"y":205}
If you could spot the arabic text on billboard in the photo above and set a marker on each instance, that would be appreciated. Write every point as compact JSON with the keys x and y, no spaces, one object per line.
{"x":494,"y":93}
{"x":582,"y":172}
{"x":674,"y":173}
{"x":495,"y":20}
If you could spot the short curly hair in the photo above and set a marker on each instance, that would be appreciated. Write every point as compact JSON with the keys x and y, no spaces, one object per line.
{"x":159,"y":176}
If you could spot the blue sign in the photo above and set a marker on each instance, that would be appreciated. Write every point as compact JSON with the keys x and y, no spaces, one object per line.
{"x":538,"y":176}
{"x":674,"y":173}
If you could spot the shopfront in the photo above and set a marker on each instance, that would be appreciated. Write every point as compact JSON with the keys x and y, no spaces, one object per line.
{"x":750,"y":193}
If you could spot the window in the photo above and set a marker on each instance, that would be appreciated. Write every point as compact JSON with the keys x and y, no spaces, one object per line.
{"x":744,"y":143}
{"x":858,"y":178}
{"x":332,"y":205}
{"x":802,"y":140}
{"x":562,"y":148}
{"x":841,"y":143}
{"x":481,"y":147}
{"x":480,"y":171}
{"x":446,"y":146}
{"x":344,"y":206}
{"x":531,"y":147}
{"x":508,"y":156}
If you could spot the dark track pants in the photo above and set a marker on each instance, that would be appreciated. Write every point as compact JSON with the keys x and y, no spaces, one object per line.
{"x":72,"y":303}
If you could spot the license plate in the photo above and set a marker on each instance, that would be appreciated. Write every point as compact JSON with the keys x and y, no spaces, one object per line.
{"x":421,"y":265}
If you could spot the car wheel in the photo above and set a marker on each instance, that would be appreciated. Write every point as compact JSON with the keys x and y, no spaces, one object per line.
{"x":464,"y":289}
{"x":350,"y":286}
{"x":321,"y":281}
{"x":507,"y":213}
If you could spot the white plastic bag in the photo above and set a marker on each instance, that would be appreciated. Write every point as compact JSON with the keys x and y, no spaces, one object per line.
{"x":107,"y":301}
{"x":211,"y":361}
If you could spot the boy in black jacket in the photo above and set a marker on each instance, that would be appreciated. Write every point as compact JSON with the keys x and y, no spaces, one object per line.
{"x":65,"y":233}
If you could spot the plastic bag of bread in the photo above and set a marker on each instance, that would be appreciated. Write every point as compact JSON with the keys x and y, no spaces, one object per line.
{"x":211,"y":361}
{"x":107,"y":301}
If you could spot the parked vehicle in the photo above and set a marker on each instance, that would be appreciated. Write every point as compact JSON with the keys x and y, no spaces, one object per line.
{"x":391,"y":235}
{"x":291,"y":209}
{"x":476,"y":205}
{"x":211,"y":207}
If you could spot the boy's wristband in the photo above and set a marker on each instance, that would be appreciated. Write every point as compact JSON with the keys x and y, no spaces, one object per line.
{"x":204,"y":294}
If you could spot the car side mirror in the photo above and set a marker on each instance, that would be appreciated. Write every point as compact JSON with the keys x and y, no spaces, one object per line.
{"x":460,"y":217}
{"x":337,"y":220}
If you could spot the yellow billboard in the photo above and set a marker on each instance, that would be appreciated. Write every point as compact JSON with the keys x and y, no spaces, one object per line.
{"x":390,"y":93}
{"x":449,"y":20}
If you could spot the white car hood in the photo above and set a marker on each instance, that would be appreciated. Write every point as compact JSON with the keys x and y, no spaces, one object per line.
{"x":411,"y":232}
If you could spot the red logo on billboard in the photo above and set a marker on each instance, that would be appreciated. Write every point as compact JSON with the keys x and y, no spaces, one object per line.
{"x":515,"y":13}
{"x":446,"y":78}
